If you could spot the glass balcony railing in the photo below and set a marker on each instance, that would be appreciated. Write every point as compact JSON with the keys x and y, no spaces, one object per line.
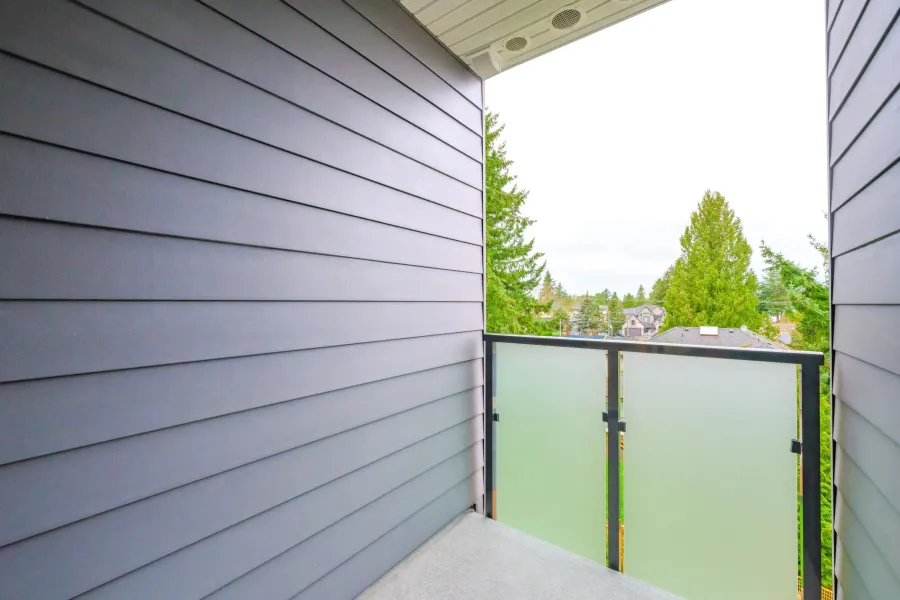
{"x":703,"y":483}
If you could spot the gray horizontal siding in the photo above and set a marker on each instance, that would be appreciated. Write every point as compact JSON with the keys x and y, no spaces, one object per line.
{"x":869,"y":275}
{"x":49,"y":182}
{"x":852,"y":586}
{"x":361,"y":35}
{"x":55,"y":565}
{"x":288,"y":29}
{"x":870,"y":562}
{"x":875,"y":21}
{"x":864,"y":115}
{"x":109,"y":405}
{"x":417,"y":41}
{"x":150,"y":71}
{"x":127,"y":266}
{"x":872,"y":509}
{"x":168,"y":459}
{"x":873,"y":214}
{"x":275,"y":531}
{"x":86,"y":117}
{"x":353,"y":576}
{"x":49,"y":339}
{"x":241,"y":317}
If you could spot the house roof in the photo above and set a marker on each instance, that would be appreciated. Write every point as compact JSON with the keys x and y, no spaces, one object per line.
{"x":637,"y":309}
{"x":731,"y":337}
{"x":495,"y":35}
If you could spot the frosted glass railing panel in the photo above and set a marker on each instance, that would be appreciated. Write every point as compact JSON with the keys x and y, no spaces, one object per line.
{"x":710,"y":480}
{"x":551,"y":454}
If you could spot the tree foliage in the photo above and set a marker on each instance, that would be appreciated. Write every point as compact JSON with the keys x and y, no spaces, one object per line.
{"x":641,"y":297}
{"x":661,"y":287}
{"x":712,"y":283}
{"x":514,"y":269}
{"x":616,"y":314}
{"x":629,"y":301}
{"x":547,"y":293}
{"x":590,"y":319}
{"x":809,"y":307}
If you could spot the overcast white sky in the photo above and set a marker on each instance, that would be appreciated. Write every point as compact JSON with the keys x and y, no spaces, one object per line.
{"x":618,"y":135}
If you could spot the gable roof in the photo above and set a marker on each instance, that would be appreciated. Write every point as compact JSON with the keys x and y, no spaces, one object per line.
{"x":730,"y":337}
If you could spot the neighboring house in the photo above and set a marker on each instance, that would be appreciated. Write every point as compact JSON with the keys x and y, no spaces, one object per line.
{"x":643,"y":320}
{"x":733,"y":337}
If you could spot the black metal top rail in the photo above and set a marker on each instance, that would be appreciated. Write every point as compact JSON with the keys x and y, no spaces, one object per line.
{"x":796,"y":357}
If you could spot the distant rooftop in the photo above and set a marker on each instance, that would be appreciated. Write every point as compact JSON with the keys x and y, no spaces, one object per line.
{"x":731,"y":337}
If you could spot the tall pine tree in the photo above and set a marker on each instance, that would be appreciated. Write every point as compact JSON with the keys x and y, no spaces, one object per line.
{"x":615,"y":315}
{"x":712,"y":283}
{"x":514,"y":269}
{"x":641,"y":297}
{"x":661,"y":287}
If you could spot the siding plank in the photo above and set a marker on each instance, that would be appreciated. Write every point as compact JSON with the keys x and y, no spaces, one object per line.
{"x":300,"y":566}
{"x":78,"y":263}
{"x":52,"y":415}
{"x":875,"y":21}
{"x":879,"y":519}
{"x":47,"y":339}
{"x":216,"y":40}
{"x":67,"y":37}
{"x":869,"y":275}
{"x":873,"y":213}
{"x":48,"y":182}
{"x":361,"y":570}
{"x":868,"y":560}
{"x":880,"y":345}
{"x":842,"y":27}
{"x":358,"y":33}
{"x":873,"y":152}
{"x":852,"y":585}
{"x":86,"y":481}
{"x":409,"y":34}
{"x":872,"y":451}
{"x":874,"y":87}
{"x":872,"y":392}
{"x":184,"y":573}
{"x":286,"y":28}
{"x":55,"y":565}
{"x":97,"y":120}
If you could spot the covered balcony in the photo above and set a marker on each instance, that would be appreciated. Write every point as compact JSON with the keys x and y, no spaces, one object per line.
{"x":709,"y":471}
{"x":243,"y":350}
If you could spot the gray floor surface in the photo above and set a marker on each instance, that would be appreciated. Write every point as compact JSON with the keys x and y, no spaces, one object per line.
{"x":475,"y":558}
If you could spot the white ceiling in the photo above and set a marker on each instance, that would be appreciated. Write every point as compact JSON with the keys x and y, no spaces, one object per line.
{"x":488,"y":34}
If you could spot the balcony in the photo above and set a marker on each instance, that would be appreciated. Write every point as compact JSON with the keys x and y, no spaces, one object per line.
{"x":702,"y":477}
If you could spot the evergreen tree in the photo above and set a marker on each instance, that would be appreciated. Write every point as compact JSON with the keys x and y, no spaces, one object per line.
{"x":604,"y":296}
{"x":810,"y":308}
{"x":559,"y":321}
{"x":629,"y":301}
{"x":559,"y":291}
{"x":514,"y":269}
{"x":590,"y":319}
{"x":641,"y":297}
{"x":547,"y":293}
{"x":712,"y":283}
{"x":661,"y":287}
{"x":615,"y":315}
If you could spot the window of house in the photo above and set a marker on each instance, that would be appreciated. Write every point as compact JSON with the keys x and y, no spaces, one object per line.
{"x":645,"y":318}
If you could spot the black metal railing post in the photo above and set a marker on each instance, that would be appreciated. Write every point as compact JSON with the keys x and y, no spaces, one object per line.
{"x":489,"y":429}
{"x":810,"y":461}
{"x":612,"y":452}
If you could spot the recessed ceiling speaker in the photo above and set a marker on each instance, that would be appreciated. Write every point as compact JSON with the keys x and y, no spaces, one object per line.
{"x":516,"y":44}
{"x":566,"y":19}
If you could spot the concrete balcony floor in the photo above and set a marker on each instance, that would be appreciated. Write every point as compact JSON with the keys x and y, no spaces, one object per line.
{"x":475,"y":558}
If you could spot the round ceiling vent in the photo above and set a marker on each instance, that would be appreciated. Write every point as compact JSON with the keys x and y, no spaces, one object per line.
{"x":516,"y":44}
{"x":566,"y":19}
